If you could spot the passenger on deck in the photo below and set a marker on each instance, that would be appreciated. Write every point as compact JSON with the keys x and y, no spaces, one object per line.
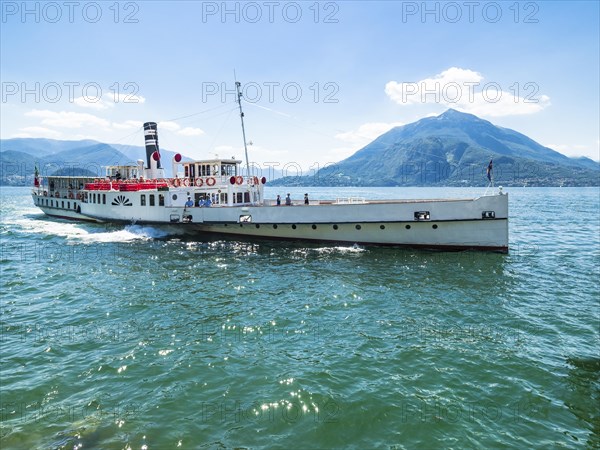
{"x":189,"y":203}
{"x":288,"y":200}
{"x":306,"y":199}
{"x":278,"y":200}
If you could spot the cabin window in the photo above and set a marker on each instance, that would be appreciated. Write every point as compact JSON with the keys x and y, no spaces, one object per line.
{"x":151,"y":198}
{"x":223,"y":198}
{"x":62,"y":204}
{"x":68,"y":205}
{"x":238,"y":196}
{"x":247,"y":197}
{"x":104,"y":199}
{"x":161,"y":200}
{"x":94,"y":198}
{"x":422,"y":215}
{"x":488,"y":214}
{"x":186,"y":171}
{"x":143,"y":200}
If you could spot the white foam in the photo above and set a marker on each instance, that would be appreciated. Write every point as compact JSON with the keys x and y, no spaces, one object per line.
{"x":87,"y":233}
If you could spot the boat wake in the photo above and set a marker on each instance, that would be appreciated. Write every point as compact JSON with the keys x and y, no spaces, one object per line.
{"x":88,"y":233}
{"x":129,"y":234}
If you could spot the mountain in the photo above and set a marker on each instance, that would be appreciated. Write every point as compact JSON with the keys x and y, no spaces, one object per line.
{"x":40,"y":147}
{"x":453,"y":149}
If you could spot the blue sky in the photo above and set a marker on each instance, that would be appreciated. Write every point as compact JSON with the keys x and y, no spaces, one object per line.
{"x":321,"y":79}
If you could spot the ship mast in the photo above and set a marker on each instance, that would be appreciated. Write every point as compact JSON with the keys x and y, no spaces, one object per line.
{"x":239,"y":101}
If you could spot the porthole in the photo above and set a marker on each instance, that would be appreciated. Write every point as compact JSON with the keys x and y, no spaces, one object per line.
{"x":293,"y":227}
{"x":257,"y":225}
{"x":407,"y":227}
{"x":382,"y":227}
{"x":358,"y":227}
{"x":335,"y":227}
{"x":174,"y":197}
{"x":314,"y":227}
{"x":274,"y":226}
{"x":434,"y":226}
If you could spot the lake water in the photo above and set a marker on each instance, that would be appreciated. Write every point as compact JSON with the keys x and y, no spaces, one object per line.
{"x":135,"y":337}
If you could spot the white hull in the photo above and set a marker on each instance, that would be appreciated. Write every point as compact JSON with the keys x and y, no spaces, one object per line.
{"x":457,"y":235}
{"x":450,"y":224}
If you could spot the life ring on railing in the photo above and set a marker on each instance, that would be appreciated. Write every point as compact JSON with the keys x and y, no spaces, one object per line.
{"x":239,"y":180}
{"x":176,"y":182}
{"x":45,"y":193}
{"x":199,"y":181}
{"x":211,"y":181}
{"x":186,"y":182}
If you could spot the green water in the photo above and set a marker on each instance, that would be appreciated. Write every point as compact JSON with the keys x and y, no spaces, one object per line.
{"x":135,"y":337}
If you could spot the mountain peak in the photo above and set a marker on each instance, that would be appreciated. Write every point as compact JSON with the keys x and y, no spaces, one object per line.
{"x":453,"y":114}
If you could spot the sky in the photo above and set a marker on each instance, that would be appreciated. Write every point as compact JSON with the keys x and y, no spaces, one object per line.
{"x":319,"y":79}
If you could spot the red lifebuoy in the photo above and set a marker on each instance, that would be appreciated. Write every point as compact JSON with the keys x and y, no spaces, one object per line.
{"x":239,"y":180}
{"x":186,"y":182}
{"x":199,"y":182}
{"x":210,"y":181}
{"x":176,"y":182}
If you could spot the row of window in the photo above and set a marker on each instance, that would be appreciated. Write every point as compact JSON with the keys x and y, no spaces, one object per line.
{"x":98,"y":198}
{"x":55,"y":203}
{"x":152,"y":200}
{"x":206,"y":170}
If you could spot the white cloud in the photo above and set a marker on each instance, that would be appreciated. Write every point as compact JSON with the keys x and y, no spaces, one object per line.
{"x":66,"y":119}
{"x":38,"y":132}
{"x":89,"y":103}
{"x":169,"y":126}
{"x":367,"y":132}
{"x":466,"y":90}
{"x":127,"y":125}
{"x":189,"y":131}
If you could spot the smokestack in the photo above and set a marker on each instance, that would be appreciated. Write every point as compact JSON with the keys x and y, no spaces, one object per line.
{"x":151,"y":136}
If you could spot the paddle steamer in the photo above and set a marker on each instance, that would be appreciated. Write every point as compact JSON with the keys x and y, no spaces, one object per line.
{"x":216,"y":196}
